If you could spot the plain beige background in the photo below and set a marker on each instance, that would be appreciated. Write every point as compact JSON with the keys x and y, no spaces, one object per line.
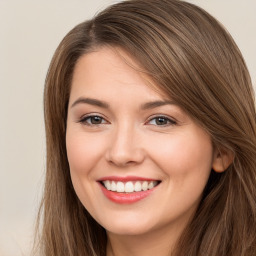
{"x":30,"y":32}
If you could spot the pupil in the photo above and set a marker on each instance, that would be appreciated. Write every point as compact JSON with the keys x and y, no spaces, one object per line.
{"x":96,"y":120}
{"x":161,"y":121}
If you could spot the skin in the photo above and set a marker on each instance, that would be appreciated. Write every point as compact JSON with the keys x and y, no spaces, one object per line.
{"x":128,"y":141}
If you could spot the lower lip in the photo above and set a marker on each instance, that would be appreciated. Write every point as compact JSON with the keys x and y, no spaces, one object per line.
{"x":126,"y":198}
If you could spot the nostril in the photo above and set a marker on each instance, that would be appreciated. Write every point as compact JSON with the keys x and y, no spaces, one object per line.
{"x":124,"y":147}
{"x":124,"y":157}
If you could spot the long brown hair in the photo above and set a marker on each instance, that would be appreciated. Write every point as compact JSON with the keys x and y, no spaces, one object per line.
{"x":194,"y":60}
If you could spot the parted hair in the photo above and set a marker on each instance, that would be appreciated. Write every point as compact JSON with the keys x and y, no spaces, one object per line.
{"x":193,"y":59}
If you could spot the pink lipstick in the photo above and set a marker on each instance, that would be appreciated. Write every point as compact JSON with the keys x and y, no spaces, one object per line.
{"x":127,"y":190}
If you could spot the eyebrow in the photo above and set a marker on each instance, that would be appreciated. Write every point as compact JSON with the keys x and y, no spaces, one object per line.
{"x":103,"y":104}
{"x":155,"y":104}
{"x":90,"y":101}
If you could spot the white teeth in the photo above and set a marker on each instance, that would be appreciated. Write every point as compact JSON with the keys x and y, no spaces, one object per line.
{"x":107,"y":184}
{"x":145,"y":185}
{"x":113,"y":186}
{"x":137,"y":186}
{"x":150,"y":185}
{"x":119,"y":186}
{"x":129,"y":186}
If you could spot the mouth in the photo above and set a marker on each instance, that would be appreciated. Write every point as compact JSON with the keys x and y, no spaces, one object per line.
{"x":127,"y":190}
{"x":129,"y":186}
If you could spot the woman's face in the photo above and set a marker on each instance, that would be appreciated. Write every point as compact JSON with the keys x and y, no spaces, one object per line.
{"x":153,"y":158}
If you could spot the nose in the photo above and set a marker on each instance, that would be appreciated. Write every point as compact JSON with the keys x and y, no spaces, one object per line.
{"x":125,"y":147}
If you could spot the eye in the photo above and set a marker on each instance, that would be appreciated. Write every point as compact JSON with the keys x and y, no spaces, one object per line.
{"x":161,"y":121}
{"x":93,"y":120}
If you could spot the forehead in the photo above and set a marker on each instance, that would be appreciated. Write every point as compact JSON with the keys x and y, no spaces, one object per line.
{"x":111,"y":71}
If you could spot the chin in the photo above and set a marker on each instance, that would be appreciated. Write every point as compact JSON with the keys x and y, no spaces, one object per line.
{"x":128,"y":230}
{"x":127,"y":226}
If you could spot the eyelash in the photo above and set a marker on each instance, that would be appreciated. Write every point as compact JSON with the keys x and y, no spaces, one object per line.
{"x":161,"y":117}
{"x":84,"y":120}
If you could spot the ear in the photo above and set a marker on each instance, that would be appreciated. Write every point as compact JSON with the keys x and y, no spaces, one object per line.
{"x":222,"y":158}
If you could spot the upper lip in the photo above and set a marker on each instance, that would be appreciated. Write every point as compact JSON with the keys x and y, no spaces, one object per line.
{"x":126,"y":178}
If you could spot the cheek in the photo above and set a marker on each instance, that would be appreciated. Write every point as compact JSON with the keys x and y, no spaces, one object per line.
{"x":183,"y":154}
{"x":83,"y":151}
{"x":186,"y":162}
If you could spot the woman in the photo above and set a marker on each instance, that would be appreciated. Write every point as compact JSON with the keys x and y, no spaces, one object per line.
{"x":151,"y":134}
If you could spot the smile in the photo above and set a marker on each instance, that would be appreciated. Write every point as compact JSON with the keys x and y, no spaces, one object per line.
{"x":127,"y":190}
{"x":129,"y":186}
